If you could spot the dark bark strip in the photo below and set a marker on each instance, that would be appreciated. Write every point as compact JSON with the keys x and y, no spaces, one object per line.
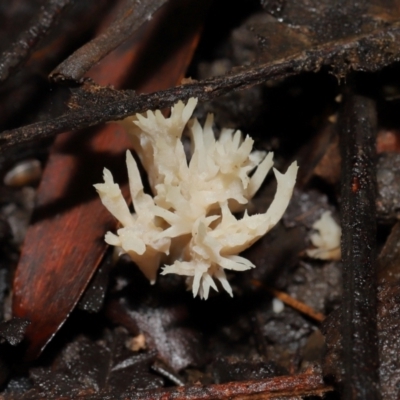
{"x":280,"y":387}
{"x":360,"y":357}
{"x":20,"y":50}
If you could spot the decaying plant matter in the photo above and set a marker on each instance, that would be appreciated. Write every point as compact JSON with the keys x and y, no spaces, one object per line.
{"x":312,"y":81}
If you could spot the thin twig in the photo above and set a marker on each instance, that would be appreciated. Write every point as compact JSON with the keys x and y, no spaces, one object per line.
{"x":133,"y":16}
{"x":341,"y":56}
{"x":292,"y":302}
{"x":297,"y":305}
{"x":20,"y":50}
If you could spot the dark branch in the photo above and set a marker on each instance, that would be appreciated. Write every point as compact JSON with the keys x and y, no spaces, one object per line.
{"x":342,"y":56}
{"x":133,"y":16}
{"x":20,"y":50}
{"x":360,"y":356}
{"x":281,"y":387}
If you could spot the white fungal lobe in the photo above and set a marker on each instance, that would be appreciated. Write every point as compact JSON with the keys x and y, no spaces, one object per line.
{"x":189,"y":224}
{"x":326,"y":239}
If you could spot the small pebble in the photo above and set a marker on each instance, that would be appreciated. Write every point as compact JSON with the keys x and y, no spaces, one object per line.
{"x":24,"y":173}
{"x":277,"y":306}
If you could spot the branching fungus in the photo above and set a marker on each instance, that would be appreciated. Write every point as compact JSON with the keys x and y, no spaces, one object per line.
{"x":189,"y":222}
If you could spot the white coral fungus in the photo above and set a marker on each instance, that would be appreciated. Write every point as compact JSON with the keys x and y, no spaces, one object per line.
{"x":326,"y":239}
{"x":189,"y":222}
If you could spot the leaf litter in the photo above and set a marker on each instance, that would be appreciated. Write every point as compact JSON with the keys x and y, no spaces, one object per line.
{"x":228,"y":340}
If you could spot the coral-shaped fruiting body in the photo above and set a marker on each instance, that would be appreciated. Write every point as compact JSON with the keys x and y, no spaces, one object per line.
{"x":189,"y":223}
{"x":326,"y":239}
